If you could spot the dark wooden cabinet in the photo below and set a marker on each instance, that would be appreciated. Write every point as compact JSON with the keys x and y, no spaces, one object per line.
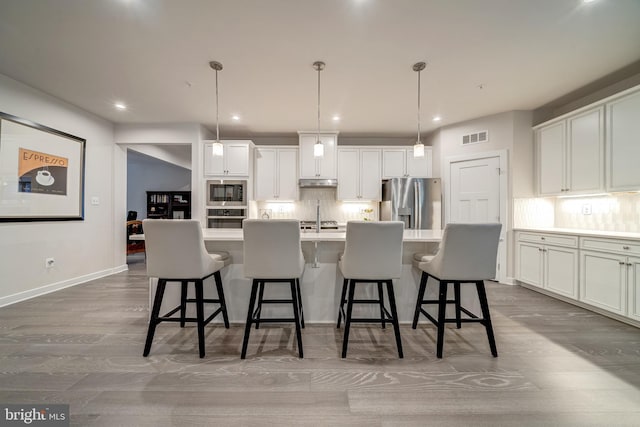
{"x":169,"y":204}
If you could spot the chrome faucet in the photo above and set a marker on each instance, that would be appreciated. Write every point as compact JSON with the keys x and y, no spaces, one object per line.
{"x":318,"y":216}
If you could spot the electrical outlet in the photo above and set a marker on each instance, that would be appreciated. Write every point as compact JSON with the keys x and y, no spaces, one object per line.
{"x":586,"y":209}
{"x":49,"y":262}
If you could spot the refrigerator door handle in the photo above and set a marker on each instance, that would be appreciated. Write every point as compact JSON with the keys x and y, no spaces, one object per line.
{"x":417,"y":213}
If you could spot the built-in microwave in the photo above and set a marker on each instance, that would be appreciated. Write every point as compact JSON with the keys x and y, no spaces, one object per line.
{"x":227,"y":192}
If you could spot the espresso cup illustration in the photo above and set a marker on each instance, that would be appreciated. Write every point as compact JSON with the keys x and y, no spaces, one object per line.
{"x":45,"y":178}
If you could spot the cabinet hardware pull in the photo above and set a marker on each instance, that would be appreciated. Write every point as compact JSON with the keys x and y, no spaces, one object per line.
{"x":539,"y":249}
{"x":621,"y":262}
{"x":542,"y":238}
{"x":625,"y":247}
{"x":629,"y":264}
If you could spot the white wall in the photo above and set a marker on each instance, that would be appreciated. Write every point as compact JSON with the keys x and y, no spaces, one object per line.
{"x":146,"y":173}
{"x":82,"y":249}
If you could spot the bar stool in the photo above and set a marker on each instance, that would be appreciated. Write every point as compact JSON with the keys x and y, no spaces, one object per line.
{"x":372,"y":254}
{"x":467,"y":254}
{"x":272,"y":254}
{"x":176,"y":253}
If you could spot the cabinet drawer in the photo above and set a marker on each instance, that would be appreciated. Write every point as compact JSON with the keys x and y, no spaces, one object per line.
{"x":624,"y":247}
{"x":549,"y":239}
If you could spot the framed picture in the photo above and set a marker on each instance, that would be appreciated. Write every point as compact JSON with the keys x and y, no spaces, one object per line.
{"x":41,"y":172}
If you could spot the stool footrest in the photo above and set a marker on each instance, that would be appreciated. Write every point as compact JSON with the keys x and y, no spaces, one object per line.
{"x":274,"y":320}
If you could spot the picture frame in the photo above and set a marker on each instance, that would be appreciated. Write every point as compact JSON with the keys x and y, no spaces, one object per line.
{"x":41,"y":172}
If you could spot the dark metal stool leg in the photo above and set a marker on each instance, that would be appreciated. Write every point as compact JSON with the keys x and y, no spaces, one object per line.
{"x":442,"y":308}
{"x":484,"y":304}
{"x":200,"y":316}
{"x":260,"y":296}
{"x":342,"y":300}
{"x":183,"y":302}
{"x":300,"y":308}
{"x":423,"y":287}
{"x":381,"y":299}
{"x":223,"y":303}
{"x":153,"y":322}
{"x":247,"y":328}
{"x":347,"y":320}
{"x":394,"y":315}
{"x":456,"y":293}
{"x":294,"y":303}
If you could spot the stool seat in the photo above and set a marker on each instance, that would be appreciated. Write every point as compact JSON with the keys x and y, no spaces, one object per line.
{"x":221,"y":256}
{"x":419,"y":257}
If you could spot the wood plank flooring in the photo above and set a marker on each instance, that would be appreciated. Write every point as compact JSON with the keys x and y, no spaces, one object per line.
{"x":558,"y":365}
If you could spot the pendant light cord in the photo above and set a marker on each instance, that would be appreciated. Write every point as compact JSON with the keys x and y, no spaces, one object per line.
{"x":318,"y":135}
{"x":419,"y":106}
{"x":217,"y":110}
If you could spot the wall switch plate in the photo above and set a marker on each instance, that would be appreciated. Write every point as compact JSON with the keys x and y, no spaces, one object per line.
{"x":586,"y":209}
{"x":95,"y":201}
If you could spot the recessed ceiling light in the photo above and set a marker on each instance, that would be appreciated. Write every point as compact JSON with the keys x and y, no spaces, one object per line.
{"x":437,"y":118}
{"x":235,"y":117}
{"x":120,"y":106}
{"x":588,"y":1}
{"x":336,"y":118}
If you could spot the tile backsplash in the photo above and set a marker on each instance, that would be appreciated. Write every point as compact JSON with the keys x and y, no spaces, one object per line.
{"x":614,"y":212}
{"x":305,"y":208}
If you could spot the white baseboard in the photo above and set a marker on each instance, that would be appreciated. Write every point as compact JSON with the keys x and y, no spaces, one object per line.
{"x":32,"y":293}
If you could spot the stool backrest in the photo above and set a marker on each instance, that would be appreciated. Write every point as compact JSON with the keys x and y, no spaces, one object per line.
{"x":373,"y":250}
{"x":272,"y":248}
{"x":467,"y":252}
{"x":175,"y":249}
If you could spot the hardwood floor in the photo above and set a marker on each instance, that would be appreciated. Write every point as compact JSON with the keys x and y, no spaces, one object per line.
{"x":558,"y":365}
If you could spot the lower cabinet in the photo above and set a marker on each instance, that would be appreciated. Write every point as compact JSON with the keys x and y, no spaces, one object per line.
{"x":547,"y":266}
{"x":604,"y":281}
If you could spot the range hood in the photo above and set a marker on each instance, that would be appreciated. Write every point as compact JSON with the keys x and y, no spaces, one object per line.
{"x":318,"y":183}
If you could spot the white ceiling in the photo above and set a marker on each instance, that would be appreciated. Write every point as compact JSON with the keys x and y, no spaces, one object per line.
{"x":153,"y":55}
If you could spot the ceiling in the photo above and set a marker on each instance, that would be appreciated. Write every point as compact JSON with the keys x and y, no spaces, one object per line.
{"x":483,"y":57}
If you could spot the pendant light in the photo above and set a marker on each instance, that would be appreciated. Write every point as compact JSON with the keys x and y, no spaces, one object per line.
{"x":418,"y":148}
{"x":318,"y":147}
{"x":217,"y":149}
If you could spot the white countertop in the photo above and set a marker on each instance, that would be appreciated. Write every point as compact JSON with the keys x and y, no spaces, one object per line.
{"x":235,"y":234}
{"x":581,"y":232}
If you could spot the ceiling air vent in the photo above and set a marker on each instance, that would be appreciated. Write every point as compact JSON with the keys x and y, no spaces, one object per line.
{"x":475,"y":138}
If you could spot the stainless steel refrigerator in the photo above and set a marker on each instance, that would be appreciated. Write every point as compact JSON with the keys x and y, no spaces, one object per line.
{"x":415,"y":201}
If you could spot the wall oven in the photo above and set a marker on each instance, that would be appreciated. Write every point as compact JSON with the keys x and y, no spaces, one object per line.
{"x":226,"y":203}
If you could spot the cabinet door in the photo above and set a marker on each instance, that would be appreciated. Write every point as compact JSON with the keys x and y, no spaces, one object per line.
{"x":529,"y":262}
{"x":348,"y":174}
{"x":561,"y":270}
{"x":633,"y":281}
{"x":394,"y":163}
{"x":585,"y":152}
{"x":623,"y":142}
{"x":308,"y":163}
{"x":370,"y":174}
{"x":603,"y":281}
{"x":419,"y":167}
{"x":287,"y":174}
{"x":213,"y":165}
{"x":551,"y":169}
{"x":236,"y":157}
{"x":327,"y":165}
{"x":265,"y":175}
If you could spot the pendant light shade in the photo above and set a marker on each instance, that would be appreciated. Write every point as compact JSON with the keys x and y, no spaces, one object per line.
{"x":318,"y":148}
{"x":217,"y":149}
{"x":418,"y":148}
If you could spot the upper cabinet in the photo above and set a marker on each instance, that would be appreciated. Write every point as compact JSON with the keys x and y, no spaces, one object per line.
{"x":276,"y":173}
{"x":399,"y":162}
{"x":324,"y":167}
{"x":571,"y":154}
{"x":623,"y":143}
{"x":235,"y":160}
{"x":359,"y":173}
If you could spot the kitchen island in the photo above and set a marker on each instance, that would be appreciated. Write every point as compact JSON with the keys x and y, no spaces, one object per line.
{"x":321,"y":282}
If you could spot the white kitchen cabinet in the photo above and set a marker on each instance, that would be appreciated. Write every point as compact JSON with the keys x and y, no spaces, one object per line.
{"x":318,"y":168}
{"x":359,"y":174}
{"x":623,"y":143}
{"x":399,"y":162}
{"x":235,"y":160}
{"x":571,"y":154}
{"x":276,"y":173}
{"x":548,"y":261}
{"x":610,"y":275}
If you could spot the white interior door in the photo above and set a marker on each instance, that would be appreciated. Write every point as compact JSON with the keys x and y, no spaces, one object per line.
{"x":475,"y":197}
{"x":475,"y":190}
